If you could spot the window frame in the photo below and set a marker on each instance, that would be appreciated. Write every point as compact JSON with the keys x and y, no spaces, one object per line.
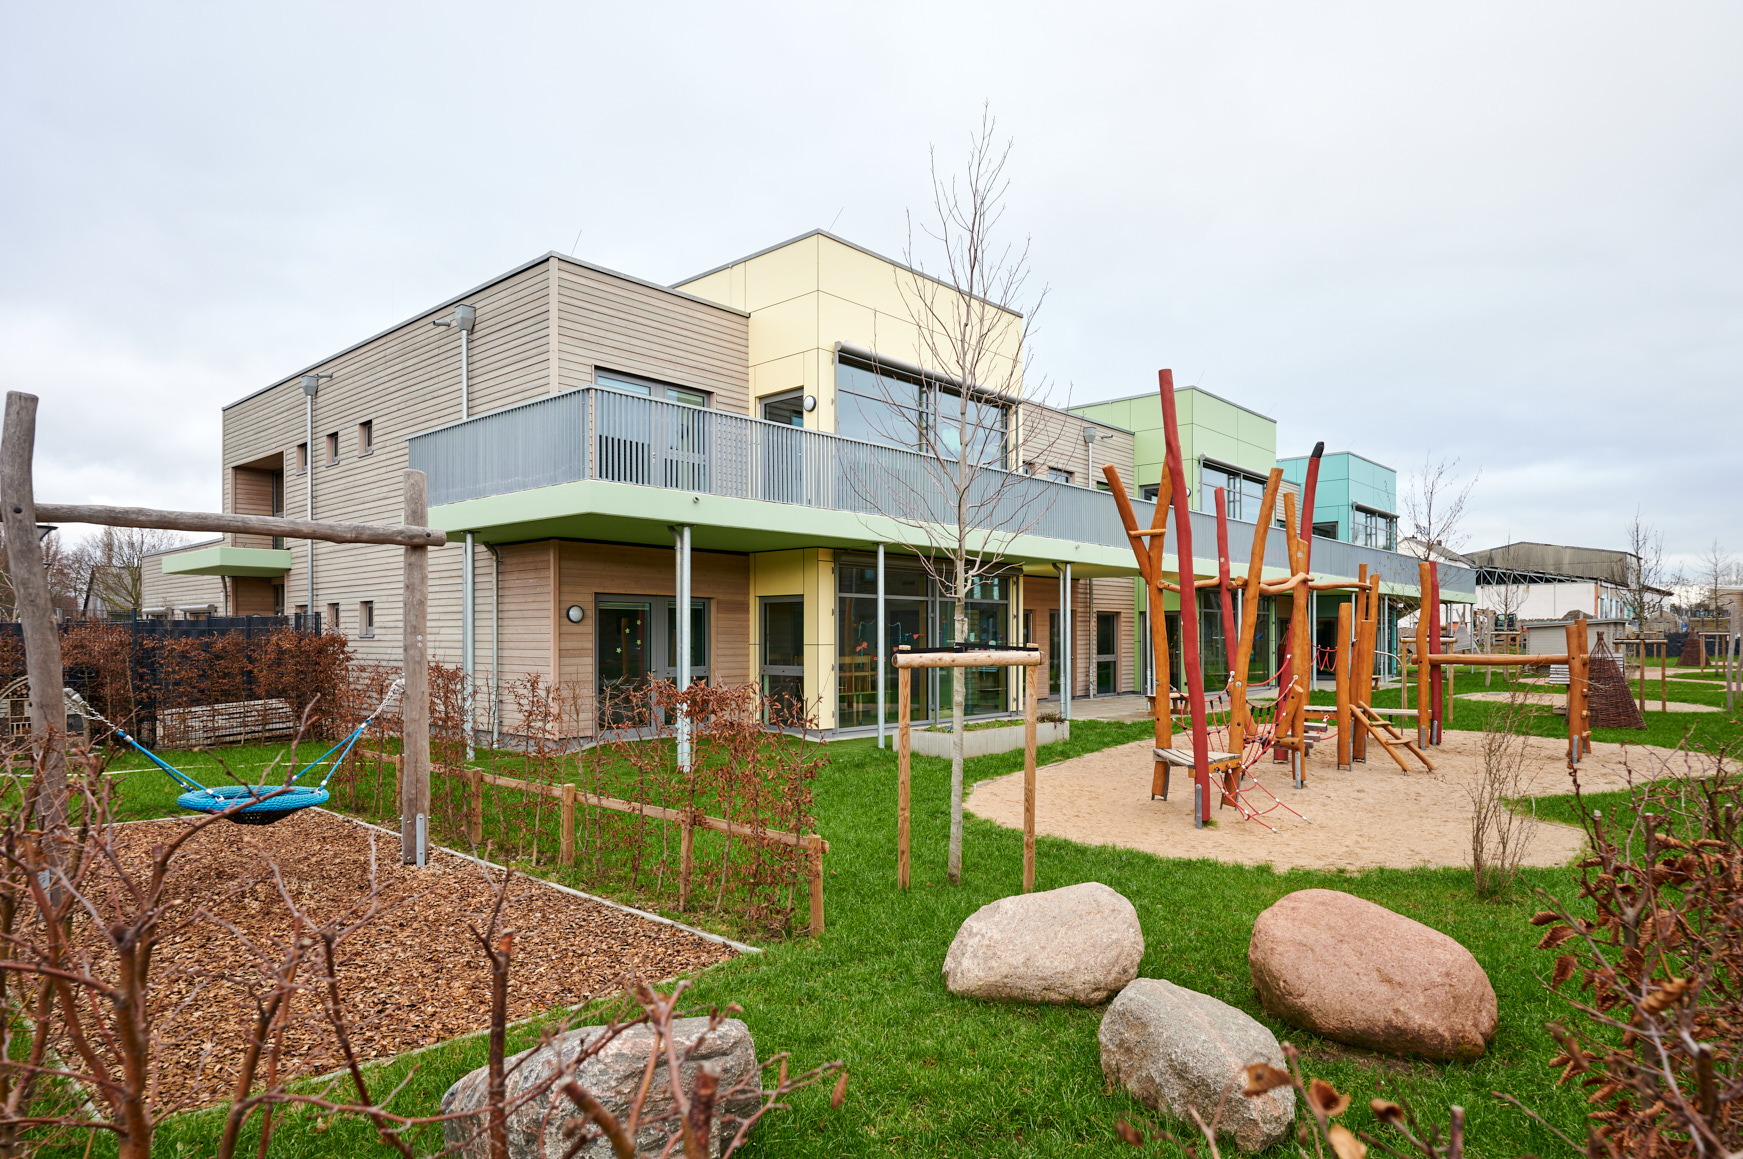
{"x":365,"y":438}
{"x":366,"y":619}
{"x":653,"y":388}
{"x":332,"y":448}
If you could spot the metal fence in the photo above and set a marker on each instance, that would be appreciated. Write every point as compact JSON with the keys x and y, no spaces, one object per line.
{"x":611,"y":435}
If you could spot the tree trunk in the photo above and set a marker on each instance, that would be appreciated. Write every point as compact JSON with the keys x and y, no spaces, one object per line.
{"x":958,"y":703}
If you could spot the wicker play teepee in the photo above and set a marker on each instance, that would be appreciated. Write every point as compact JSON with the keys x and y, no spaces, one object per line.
{"x":1612,"y":704}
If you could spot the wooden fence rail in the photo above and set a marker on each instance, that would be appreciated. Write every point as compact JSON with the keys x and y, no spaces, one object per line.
{"x":688,"y":820}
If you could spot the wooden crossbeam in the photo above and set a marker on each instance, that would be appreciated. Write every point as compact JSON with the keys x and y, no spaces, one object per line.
{"x":323,"y":530}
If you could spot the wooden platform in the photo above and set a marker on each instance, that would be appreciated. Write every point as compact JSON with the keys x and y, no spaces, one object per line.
{"x":1183,"y":758}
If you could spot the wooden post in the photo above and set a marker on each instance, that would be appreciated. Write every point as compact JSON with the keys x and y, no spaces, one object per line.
{"x":904,"y":683}
{"x":814,"y":862}
{"x":566,"y":834}
{"x":1240,"y":714}
{"x":1029,"y":779}
{"x":414,"y":795}
{"x":1436,"y":673}
{"x":1575,"y":748}
{"x":475,"y":806}
{"x":1663,"y":663}
{"x":1640,"y":647}
{"x":1423,"y":587}
{"x":42,"y":644}
{"x":686,"y":856}
{"x":1344,"y":669}
{"x":1147,"y":550}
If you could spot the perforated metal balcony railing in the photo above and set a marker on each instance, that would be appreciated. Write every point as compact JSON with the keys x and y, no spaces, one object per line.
{"x":613,"y":436}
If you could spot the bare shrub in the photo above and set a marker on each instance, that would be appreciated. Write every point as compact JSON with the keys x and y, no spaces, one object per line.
{"x":1653,"y":946}
{"x":1500,"y":837}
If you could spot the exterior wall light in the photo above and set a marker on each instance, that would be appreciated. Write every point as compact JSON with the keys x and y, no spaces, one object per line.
{"x":575,"y":614}
{"x":810,"y":403}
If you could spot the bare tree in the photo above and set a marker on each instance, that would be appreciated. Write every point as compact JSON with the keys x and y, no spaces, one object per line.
{"x":1645,"y":573}
{"x":1435,"y":499}
{"x":66,"y":566}
{"x":116,"y":564}
{"x":1718,"y":571}
{"x":960,"y":495}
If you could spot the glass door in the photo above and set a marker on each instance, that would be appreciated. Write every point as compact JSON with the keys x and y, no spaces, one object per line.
{"x":623,"y":654}
{"x":1106,"y":652}
{"x":668,"y":650}
{"x":783,"y":658}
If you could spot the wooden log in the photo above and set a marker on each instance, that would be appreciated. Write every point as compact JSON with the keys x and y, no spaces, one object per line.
{"x":1029,"y":782}
{"x":1663,"y":663}
{"x":1015,"y":658}
{"x":1575,"y":631}
{"x":566,"y":829}
{"x":814,"y":863}
{"x":1494,"y":660}
{"x":414,"y":797}
{"x":1436,"y":675}
{"x":903,"y":688}
{"x":1240,"y":713}
{"x":42,"y":642}
{"x":1345,"y":747}
{"x":1149,"y":558}
{"x":323,"y":530}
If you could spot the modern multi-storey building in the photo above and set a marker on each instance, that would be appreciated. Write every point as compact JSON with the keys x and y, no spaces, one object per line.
{"x":1355,"y":499}
{"x":589,"y":436}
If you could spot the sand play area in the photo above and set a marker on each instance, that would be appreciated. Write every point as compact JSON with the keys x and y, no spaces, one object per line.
{"x":1373,"y":815}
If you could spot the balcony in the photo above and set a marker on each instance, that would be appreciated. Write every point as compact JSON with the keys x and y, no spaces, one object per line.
{"x":599,"y":435}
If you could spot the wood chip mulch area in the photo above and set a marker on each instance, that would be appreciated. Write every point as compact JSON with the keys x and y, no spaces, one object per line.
{"x":413,"y":978}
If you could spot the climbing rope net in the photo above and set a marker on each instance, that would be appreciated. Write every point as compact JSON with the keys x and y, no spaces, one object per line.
{"x":1240,"y":786}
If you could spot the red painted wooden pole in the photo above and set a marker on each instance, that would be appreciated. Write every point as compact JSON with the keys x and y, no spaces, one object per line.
{"x":1436,"y":677}
{"x":1222,"y":574}
{"x":1188,"y":603}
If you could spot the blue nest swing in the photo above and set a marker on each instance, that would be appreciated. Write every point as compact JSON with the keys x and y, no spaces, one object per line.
{"x":251,"y":804}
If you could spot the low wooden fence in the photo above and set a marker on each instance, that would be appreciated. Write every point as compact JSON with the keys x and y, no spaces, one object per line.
{"x":568,"y":795}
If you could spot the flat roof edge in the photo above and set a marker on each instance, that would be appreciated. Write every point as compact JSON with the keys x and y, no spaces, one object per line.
{"x":1199,"y":389}
{"x":870,"y":253}
{"x":482,"y":286}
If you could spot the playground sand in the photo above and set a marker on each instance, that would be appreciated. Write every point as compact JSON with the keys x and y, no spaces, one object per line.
{"x":412,"y":978}
{"x":1371,"y":816}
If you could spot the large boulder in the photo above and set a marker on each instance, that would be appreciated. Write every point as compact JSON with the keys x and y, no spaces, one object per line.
{"x":1358,"y":973}
{"x":612,"y":1076}
{"x":1078,"y":944}
{"x":1178,"y":1050}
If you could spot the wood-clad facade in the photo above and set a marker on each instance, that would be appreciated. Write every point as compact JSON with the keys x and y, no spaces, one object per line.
{"x":544,"y":604}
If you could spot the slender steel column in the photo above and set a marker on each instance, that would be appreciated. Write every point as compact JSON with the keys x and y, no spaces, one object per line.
{"x":469,"y":632}
{"x":882,"y":653}
{"x":1065,"y":642}
{"x":681,"y":645}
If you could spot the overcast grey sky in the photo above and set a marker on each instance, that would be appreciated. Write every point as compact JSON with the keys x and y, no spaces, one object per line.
{"x":1510,"y":233}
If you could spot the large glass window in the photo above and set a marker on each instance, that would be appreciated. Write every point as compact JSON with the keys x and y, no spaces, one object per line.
{"x":915,"y":614}
{"x":1375,"y":529}
{"x":879,"y":404}
{"x":1245,"y":493}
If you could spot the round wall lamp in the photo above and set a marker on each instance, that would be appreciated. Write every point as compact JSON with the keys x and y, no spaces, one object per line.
{"x":575,"y":613}
{"x":810,"y":403}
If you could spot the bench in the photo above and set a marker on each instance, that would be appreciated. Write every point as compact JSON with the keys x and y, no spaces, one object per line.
{"x":1171,"y":759}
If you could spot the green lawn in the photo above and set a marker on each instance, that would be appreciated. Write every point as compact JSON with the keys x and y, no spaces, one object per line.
{"x":939,"y":1075}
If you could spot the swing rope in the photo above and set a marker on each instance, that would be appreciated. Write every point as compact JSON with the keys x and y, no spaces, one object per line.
{"x":268,"y":803}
